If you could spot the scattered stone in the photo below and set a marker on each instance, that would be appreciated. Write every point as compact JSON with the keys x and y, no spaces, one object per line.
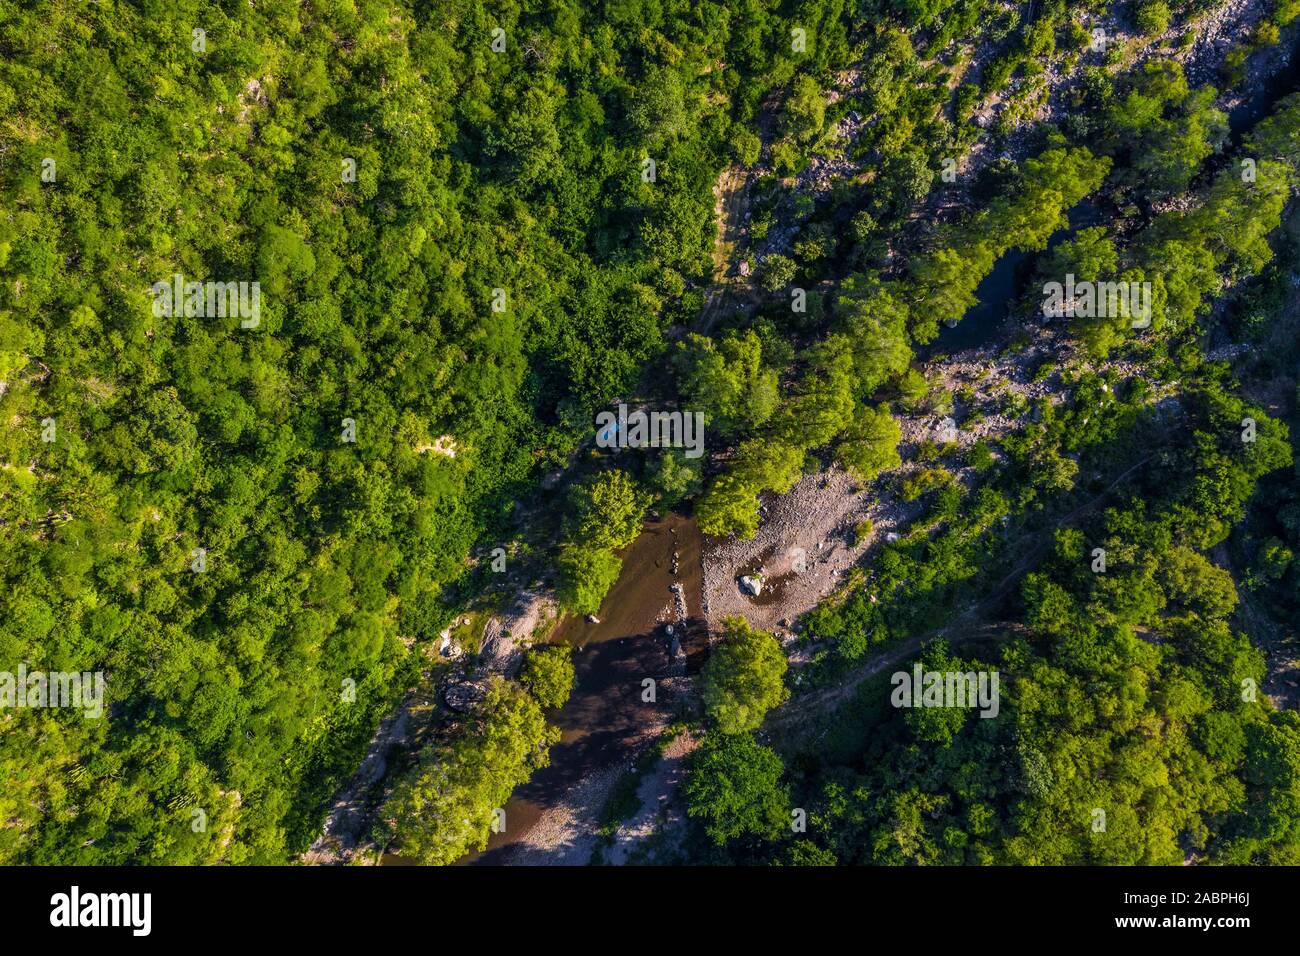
{"x":462,"y":696}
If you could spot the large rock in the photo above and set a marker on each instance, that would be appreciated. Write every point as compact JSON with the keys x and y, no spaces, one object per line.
{"x":752,"y":584}
{"x":462,"y":696}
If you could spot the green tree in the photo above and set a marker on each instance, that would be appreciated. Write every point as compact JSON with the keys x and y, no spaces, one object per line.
{"x":548,"y":674}
{"x":743,"y":678}
{"x":733,"y":786}
{"x":674,"y":477}
{"x":585,"y":576}
{"x":729,"y":380}
{"x":657,"y":107}
{"x":1153,"y":17}
{"x":606,"y":511}
{"x":1090,"y":255}
{"x":805,"y":110}
{"x":870,"y":444}
{"x":745,"y":146}
{"x":777,"y":272}
{"x":443,"y":808}
{"x":875,"y":322}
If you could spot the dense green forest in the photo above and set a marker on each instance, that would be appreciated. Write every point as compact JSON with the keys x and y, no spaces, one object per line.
{"x":458,"y":254}
{"x":1125,"y":691}
{"x":1134,"y":729}
{"x":472,"y":227}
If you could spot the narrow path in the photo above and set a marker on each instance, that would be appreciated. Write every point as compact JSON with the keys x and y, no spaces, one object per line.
{"x":730,"y":209}
{"x":798,"y":707}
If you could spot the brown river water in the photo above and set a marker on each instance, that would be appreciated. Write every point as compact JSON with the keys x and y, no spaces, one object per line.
{"x":605,"y":716}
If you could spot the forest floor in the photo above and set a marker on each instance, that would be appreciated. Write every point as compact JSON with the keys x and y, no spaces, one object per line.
{"x":345,"y":832}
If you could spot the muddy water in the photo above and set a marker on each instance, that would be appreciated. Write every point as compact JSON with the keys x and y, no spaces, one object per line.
{"x":605,"y":715}
{"x":773,"y":584}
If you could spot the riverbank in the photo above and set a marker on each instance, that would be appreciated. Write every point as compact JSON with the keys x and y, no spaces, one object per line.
{"x":632,"y":680}
{"x":345,"y":835}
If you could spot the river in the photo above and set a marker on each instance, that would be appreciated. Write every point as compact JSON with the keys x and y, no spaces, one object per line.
{"x":983,"y":322}
{"x":605,"y":717}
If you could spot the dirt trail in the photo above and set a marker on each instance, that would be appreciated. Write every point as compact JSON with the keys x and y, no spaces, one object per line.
{"x":731,"y":194}
{"x":730,"y":208}
{"x":798,"y":707}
